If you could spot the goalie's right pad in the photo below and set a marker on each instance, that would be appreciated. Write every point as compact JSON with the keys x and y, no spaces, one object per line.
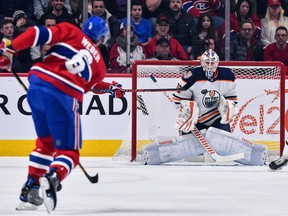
{"x":182,"y":147}
{"x":187,"y":116}
{"x":227,"y":109}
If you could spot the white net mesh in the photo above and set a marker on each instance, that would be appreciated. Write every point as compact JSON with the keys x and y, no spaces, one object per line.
{"x":259,"y":104}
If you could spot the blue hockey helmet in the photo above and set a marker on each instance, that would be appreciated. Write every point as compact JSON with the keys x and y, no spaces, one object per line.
{"x":95,"y":27}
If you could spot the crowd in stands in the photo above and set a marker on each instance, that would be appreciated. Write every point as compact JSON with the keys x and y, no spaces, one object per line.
{"x":160,"y":29}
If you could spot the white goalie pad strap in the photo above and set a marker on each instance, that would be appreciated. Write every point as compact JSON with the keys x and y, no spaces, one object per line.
{"x":182,"y":147}
{"x":226,"y":143}
{"x":227,"y":109}
{"x":187,"y":116}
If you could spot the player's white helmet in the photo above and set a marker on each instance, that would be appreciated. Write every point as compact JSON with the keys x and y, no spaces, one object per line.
{"x":209,"y":62}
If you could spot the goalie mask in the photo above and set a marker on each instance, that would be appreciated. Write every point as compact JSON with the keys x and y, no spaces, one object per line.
{"x":209,"y":62}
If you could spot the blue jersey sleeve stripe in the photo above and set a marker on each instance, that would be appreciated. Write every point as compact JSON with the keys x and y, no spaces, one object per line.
{"x":62,"y":51}
{"x":43,"y":35}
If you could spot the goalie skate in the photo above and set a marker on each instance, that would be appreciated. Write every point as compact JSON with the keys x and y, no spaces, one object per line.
{"x":279,"y":163}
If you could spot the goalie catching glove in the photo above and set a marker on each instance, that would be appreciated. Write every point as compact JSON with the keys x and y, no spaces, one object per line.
{"x":227,"y":109}
{"x":188,"y":116}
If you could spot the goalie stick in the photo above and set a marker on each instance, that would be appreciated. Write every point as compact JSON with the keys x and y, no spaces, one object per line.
{"x":92,"y":179}
{"x":202,"y":140}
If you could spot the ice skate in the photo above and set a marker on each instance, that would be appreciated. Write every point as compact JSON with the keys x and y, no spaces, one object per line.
{"x":30,"y":199}
{"x":279,"y":163}
{"x":49,"y":184}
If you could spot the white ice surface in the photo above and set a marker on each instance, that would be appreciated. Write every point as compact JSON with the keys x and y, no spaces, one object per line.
{"x":174,"y":189}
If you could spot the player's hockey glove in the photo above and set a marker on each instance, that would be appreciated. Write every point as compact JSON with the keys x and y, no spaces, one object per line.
{"x":6,"y":53}
{"x":116,"y":90}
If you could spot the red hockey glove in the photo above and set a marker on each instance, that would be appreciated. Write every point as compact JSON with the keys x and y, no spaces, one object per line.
{"x":116,"y":90}
{"x":6,"y":58}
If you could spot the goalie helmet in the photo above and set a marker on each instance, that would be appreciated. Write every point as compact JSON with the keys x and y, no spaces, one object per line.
{"x":95,"y":27}
{"x":209,"y":62}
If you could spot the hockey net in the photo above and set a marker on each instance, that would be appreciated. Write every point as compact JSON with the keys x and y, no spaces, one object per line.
{"x":261,"y":101}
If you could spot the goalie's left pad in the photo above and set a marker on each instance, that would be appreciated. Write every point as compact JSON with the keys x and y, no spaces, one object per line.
{"x":227,"y":109}
{"x":225,"y":143}
{"x":187,"y":116}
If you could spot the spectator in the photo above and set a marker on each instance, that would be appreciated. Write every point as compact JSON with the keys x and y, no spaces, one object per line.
{"x":244,"y":47}
{"x":152,"y":8}
{"x":59,"y":11}
{"x":27,"y":56}
{"x":162,"y":29}
{"x":49,"y":21}
{"x":204,"y":30}
{"x":182,"y":24}
{"x":212,"y":7}
{"x":244,"y":11}
{"x":8,"y":7}
{"x":7,"y":29}
{"x":273,"y":19}
{"x":162,"y":51}
{"x":278,"y":51}
{"x":262,"y":7}
{"x":142,"y":27}
{"x":20,"y":22}
{"x":42,"y":6}
{"x":117,"y":8}
{"x":119,"y":48}
{"x":98,"y":9}
{"x":7,"y":32}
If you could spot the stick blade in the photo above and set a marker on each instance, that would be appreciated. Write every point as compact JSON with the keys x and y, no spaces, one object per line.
{"x":228,"y":158}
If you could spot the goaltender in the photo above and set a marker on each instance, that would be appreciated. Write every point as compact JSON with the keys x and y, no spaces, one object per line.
{"x":208,"y":104}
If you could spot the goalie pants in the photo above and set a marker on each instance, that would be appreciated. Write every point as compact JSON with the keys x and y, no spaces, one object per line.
{"x":57,"y":124}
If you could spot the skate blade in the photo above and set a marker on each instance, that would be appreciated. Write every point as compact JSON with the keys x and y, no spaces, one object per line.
{"x":26,"y":206}
{"x":48,"y":201}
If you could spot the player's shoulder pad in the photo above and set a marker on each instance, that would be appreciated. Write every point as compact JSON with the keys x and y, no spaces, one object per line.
{"x":225,"y":74}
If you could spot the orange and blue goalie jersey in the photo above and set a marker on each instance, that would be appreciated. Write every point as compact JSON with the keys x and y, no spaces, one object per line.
{"x":66,"y":40}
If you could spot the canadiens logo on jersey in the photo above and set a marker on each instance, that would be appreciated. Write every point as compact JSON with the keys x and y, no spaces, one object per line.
{"x":202,"y":6}
{"x":210,"y":98}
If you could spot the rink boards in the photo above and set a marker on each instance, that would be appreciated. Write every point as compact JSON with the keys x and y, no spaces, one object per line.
{"x":105,"y":121}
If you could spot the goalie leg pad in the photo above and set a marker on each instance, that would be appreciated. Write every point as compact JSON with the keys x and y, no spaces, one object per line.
{"x":226,"y":143}
{"x":182,"y":147}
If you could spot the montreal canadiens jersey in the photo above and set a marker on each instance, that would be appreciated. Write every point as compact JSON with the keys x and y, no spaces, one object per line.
{"x":66,"y":40}
{"x":207,"y":92}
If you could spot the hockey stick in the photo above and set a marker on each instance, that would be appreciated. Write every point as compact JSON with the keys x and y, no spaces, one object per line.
{"x":140,"y":90}
{"x":202,"y":140}
{"x":92,"y":179}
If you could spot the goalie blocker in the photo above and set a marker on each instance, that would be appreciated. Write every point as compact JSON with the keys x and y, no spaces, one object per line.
{"x":187,"y":146}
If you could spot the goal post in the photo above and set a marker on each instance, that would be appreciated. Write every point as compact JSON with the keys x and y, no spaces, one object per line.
{"x":261,"y":101}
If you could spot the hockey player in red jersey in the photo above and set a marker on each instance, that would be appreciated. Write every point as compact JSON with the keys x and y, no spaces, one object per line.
{"x":72,"y":67}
